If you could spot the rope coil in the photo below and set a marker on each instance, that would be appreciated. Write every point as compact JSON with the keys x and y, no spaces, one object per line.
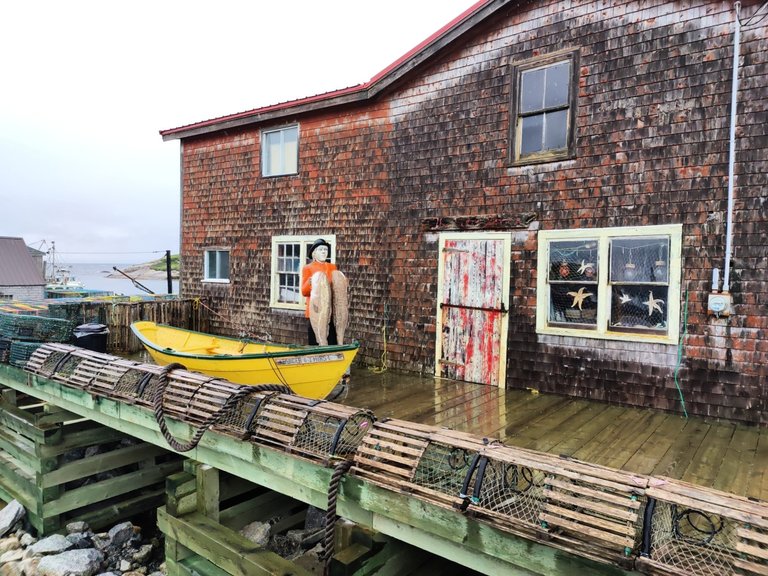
{"x":212,"y":419}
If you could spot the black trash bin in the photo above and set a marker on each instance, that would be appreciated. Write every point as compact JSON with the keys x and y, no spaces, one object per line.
{"x":92,"y":336}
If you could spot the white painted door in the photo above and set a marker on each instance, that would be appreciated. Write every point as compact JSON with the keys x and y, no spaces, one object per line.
{"x":472,"y":308}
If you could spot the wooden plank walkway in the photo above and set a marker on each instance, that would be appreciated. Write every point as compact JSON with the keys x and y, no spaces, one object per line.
{"x":724,"y":455}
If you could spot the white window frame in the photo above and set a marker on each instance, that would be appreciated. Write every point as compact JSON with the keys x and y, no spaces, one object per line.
{"x":216,"y":278}
{"x":304,"y":241}
{"x":604,"y":236}
{"x":284,"y":167}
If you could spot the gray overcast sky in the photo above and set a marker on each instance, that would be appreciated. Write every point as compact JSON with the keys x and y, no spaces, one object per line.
{"x":85,"y":87}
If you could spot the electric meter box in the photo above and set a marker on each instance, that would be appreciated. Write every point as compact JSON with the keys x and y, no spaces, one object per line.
{"x":719,"y":304}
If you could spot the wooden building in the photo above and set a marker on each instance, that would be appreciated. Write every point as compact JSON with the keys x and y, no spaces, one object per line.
{"x":536,"y":196}
{"x":21,"y":273}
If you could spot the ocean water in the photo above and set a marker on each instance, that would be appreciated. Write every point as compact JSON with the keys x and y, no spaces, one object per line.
{"x":95,"y":277}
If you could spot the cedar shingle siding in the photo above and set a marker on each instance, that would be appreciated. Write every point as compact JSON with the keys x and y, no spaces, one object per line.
{"x":651,"y":139}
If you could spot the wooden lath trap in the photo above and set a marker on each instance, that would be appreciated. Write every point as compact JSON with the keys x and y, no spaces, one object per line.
{"x":314,"y":429}
{"x":589,"y":510}
{"x":696,"y":530}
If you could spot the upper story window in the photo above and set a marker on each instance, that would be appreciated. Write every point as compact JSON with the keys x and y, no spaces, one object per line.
{"x":280,"y":151}
{"x":216,"y":265}
{"x":543,"y":109}
{"x":613,"y":283}
{"x":289,"y":255}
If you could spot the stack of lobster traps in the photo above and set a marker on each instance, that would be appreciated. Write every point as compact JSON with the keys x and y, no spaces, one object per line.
{"x":656,"y":525}
{"x":267,"y":414}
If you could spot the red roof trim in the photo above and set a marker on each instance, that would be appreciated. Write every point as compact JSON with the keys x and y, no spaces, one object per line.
{"x":341,"y":92}
{"x":433,"y":38}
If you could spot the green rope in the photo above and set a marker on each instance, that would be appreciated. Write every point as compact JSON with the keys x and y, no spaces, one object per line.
{"x":680,"y":353}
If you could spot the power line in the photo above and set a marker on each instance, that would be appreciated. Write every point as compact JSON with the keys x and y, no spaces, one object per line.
{"x":113,"y":253}
{"x":749,"y":21}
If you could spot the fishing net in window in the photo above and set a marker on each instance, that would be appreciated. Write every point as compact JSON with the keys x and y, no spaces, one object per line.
{"x":639,"y":279}
{"x":572,"y":278}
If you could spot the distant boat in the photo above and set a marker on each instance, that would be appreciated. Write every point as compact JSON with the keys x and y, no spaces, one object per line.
{"x":62,"y":280}
{"x":59,"y":278}
{"x":310,"y":371}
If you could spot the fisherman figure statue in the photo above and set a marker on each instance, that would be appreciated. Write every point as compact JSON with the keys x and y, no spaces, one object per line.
{"x":325,"y":288}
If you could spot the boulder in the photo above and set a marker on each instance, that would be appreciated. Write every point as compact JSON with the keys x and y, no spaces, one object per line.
{"x":75,"y":527}
{"x":257,"y":532}
{"x":10,"y":515}
{"x":71,"y":563}
{"x":11,"y":543}
{"x":120,"y":534}
{"x":55,"y":544}
{"x":12,"y":556}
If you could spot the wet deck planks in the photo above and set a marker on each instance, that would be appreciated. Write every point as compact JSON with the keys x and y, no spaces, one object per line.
{"x":723,"y":455}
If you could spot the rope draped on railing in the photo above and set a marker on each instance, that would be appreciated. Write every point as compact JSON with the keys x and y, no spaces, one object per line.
{"x":212,"y":419}
{"x":339,"y":470}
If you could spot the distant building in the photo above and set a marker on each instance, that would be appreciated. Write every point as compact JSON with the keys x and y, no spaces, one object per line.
{"x":39,"y":258}
{"x":21,"y":274}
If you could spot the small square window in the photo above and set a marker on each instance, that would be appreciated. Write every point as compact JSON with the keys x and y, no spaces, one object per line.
{"x":289,"y":255}
{"x":543,"y":109}
{"x":280,"y":151}
{"x":216,"y":266}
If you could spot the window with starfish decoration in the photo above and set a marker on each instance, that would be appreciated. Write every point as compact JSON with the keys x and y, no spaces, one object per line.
{"x":573,"y":282}
{"x":613,"y":283}
{"x":639,"y":281}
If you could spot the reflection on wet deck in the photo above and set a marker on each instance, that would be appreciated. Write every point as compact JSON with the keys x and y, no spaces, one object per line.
{"x":722,"y":455}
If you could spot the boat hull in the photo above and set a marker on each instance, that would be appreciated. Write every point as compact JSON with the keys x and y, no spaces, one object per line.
{"x":312,"y":372}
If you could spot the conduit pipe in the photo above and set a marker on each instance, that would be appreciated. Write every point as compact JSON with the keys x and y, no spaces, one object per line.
{"x":732,"y":147}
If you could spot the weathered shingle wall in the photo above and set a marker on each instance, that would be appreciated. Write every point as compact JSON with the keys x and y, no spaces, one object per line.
{"x":651,"y":148}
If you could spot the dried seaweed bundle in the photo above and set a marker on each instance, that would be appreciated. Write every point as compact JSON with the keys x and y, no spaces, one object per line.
{"x":339,"y":286}
{"x":320,"y":307}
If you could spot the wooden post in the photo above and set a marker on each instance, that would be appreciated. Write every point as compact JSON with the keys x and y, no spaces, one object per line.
{"x":168,"y":271}
{"x":208,"y":491}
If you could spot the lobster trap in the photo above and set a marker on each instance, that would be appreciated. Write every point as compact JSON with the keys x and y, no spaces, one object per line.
{"x":695,"y":530}
{"x":586,"y":509}
{"x":441,"y":464}
{"x":35,"y":328}
{"x":313,"y":429}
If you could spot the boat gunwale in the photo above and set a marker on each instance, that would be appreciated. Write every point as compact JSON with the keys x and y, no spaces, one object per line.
{"x":294,"y":349}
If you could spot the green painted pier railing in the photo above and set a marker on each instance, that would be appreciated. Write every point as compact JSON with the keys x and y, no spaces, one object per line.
{"x":442,"y":531}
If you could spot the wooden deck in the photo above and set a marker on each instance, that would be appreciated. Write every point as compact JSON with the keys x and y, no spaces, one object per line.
{"x":726,"y":456}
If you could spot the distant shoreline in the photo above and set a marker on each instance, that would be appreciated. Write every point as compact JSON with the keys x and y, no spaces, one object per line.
{"x":143,"y":272}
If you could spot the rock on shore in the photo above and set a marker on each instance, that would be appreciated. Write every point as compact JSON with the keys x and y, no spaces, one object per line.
{"x":143,"y":272}
{"x":120,"y":551}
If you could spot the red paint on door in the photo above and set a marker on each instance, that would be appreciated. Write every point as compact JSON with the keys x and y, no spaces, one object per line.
{"x":471,"y":308}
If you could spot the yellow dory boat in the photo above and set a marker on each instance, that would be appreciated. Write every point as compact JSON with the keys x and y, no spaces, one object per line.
{"x":310,"y":371}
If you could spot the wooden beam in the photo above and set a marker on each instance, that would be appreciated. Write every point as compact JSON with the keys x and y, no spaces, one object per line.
{"x":232,"y":552}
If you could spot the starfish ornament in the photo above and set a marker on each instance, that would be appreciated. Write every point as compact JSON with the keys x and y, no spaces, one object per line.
{"x":579,"y":297}
{"x":653,"y":304}
{"x":584,"y":266}
{"x":624,"y":298}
